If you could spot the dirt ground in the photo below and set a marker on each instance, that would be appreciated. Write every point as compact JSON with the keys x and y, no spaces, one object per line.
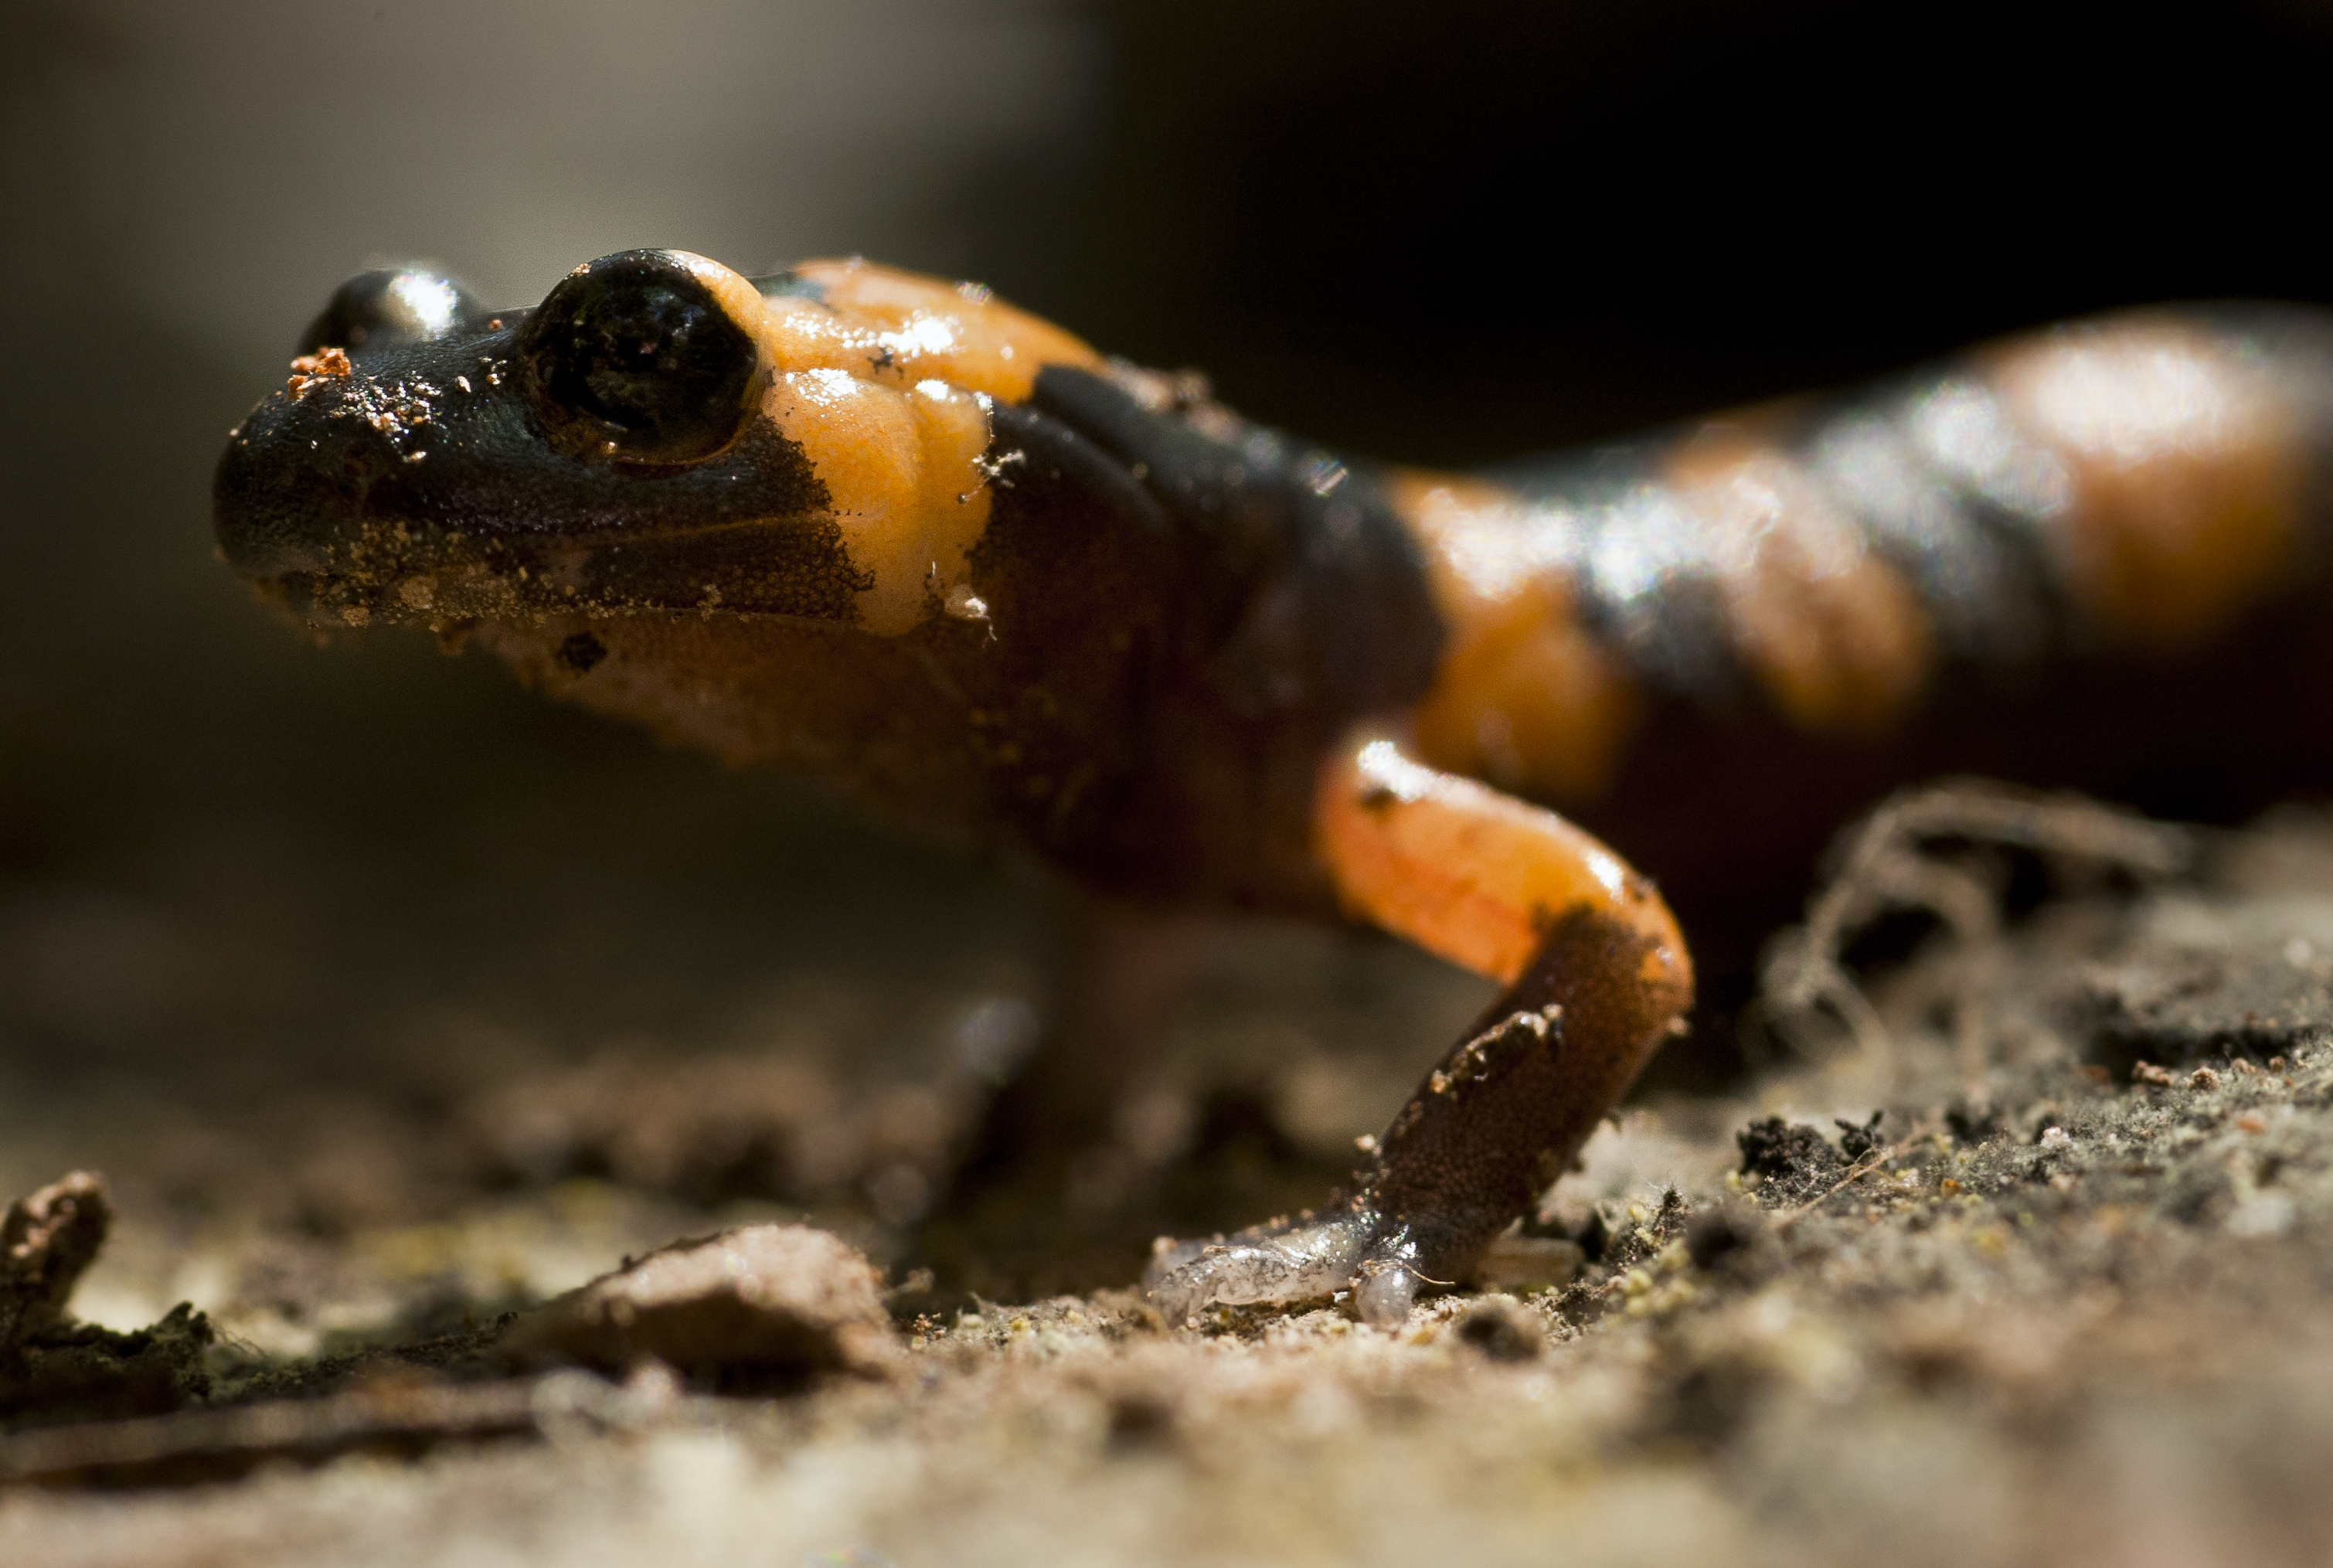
{"x":2030,"y":1266}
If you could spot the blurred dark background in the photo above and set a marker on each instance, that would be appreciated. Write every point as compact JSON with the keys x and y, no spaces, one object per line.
{"x":1443,"y":233}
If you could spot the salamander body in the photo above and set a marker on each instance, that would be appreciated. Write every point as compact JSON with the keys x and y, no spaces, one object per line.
{"x":895,"y":534}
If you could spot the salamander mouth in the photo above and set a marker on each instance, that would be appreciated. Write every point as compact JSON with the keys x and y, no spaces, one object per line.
{"x":419,"y":487}
{"x":392,"y":572}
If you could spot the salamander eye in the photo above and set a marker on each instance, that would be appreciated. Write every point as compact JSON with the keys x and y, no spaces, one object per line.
{"x":637,"y":357}
{"x":391,"y":307}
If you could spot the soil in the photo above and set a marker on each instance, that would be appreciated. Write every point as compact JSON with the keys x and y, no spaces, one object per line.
{"x":2062,"y":1300}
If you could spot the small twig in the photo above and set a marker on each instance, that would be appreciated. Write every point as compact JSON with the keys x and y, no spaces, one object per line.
{"x":204,"y":1444}
{"x":1880,"y":865}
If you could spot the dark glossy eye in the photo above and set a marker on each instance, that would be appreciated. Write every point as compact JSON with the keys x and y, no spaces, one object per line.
{"x":391,"y":307}
{"x":636,"y":357}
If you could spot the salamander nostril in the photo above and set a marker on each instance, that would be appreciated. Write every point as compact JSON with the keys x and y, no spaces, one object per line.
{"x":636,"y":357}
{"x":391,"y":307}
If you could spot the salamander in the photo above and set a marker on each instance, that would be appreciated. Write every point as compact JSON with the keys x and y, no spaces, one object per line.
{"x":896,"y":534}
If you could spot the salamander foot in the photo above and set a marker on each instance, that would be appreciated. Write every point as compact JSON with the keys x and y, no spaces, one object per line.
{"x":1353,"y":1248}
{"x":1493,"y":1123}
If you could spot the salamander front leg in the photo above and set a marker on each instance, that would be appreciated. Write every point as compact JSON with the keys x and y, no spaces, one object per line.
{"x":1599,"y":977}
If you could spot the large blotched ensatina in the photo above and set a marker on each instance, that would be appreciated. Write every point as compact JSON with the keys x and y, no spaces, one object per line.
{"x":896,"y":534}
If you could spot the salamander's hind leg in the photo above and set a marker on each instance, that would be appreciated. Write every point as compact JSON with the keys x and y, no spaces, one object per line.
{"x":1599,"y":977}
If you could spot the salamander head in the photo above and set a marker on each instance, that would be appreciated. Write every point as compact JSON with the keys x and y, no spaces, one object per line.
{"x":660,"y":434}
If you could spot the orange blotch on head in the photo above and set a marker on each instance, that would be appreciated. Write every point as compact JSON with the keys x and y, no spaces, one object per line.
{"x":883,"y":384}
{"x":1836,"y":637}
{"x":1469,"y":874}
{"x":902,"y":473}
{"x":2186,"y":470}
{"x":1525,"y":696}
{"x":910,"y":328}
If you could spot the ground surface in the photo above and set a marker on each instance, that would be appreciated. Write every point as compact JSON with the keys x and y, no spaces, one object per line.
{"x":2067,"y":1307}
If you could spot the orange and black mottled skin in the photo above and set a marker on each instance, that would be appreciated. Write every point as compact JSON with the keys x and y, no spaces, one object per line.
{"x":2176,"y":677}
{"x":896,"y":534}
{"x":1161,"y":664}
{"x":1298,"y":611}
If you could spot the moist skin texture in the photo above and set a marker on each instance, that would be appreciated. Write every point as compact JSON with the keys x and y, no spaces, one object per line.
{"x":2143,"y":481}
{"x":978,"y":577}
